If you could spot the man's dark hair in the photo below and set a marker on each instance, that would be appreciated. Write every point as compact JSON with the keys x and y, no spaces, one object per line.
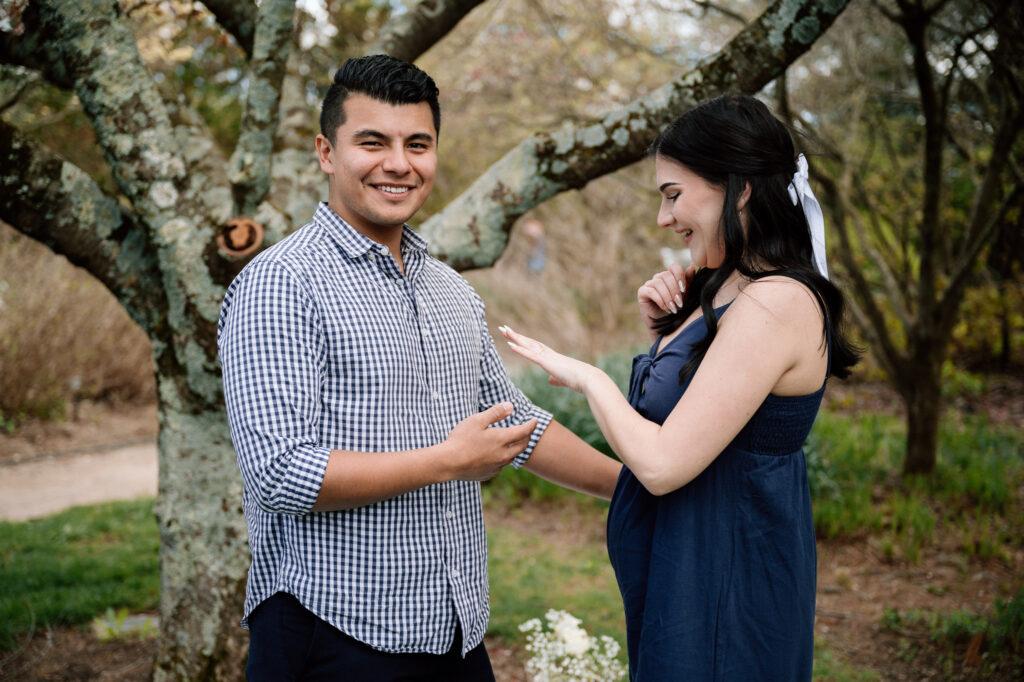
{"x":382,"y":78}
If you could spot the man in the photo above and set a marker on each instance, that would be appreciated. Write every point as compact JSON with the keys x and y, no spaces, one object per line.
{"x":366,"y":402}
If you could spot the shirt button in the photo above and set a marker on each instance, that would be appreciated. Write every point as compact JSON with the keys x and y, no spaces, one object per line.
{"x":455,"y":573}
{"x":383,"y":250}
{"x":371,"y":256}
{"x":435,"y":395}
{"x":449,"y":514}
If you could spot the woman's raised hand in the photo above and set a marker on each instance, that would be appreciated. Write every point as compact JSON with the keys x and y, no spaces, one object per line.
{"x":662,"y":294}
{"x":562,"y":370}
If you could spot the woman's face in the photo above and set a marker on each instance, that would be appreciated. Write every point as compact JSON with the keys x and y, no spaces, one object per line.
{"x":693,"y":208}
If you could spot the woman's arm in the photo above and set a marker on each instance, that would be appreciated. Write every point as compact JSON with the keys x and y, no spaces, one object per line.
{"x":768,"y":341}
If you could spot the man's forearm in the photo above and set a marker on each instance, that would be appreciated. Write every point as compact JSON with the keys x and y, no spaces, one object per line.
{"x":562,"y":457}
{"x":357,"y":479}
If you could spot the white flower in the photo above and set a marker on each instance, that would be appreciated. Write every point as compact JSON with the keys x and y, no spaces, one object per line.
{"x":566,"y":653}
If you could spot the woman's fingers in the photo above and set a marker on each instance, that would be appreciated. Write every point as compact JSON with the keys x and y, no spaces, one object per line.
{"x":663,"y":290}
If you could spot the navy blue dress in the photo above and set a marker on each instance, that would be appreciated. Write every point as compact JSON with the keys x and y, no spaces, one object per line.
{"x":718,"y":577}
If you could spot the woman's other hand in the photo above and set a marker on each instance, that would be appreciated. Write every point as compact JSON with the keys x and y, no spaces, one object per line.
{"x":663,"y":294}
{"x":562,"y":370}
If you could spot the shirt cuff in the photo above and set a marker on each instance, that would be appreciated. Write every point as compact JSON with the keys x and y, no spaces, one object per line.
{"x":543,"y":418}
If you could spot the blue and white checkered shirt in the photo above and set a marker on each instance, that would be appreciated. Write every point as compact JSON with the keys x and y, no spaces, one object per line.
{"x":326,"y":345}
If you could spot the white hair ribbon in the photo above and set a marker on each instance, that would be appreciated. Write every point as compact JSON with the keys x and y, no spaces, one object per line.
{"x":800,"y":190}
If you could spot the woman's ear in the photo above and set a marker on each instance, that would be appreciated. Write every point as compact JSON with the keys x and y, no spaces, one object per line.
{"x":741,"y":203}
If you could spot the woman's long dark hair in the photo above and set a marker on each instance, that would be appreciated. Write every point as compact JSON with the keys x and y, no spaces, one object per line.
{"x":734,"y":141}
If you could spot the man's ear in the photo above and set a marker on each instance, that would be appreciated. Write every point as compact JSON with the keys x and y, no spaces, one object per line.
{"x":323,"y":154}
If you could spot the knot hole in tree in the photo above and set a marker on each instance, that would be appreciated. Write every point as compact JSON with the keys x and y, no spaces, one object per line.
{"x":240,"y":237}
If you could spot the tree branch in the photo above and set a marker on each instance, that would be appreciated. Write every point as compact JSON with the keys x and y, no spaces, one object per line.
{"x":250,"y":164}
{"x":985,"y":221}
{"x":58,"y":204}
{"x":472,"y":231}
{"x":871,"y":319}
{"x":119,"y":97}
{"x":237,"y":17}
{"x":914,"y":21}
{"x":408,"y":35}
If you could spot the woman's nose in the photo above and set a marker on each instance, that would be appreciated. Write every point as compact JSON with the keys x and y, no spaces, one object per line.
{"x":665,"y":217}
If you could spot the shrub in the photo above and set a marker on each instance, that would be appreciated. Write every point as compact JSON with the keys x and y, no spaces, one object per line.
{"x":63,"y":336}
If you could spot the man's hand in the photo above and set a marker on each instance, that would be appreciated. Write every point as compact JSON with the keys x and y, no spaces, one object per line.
{"x":477,"y":451}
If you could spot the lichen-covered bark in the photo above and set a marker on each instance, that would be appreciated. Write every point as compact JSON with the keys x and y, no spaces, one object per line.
{"x":473,"y":229}
{"x":203,"y":550}
{"x":250,"y":164}
{"x":57,"y":203}
{"x":409,"y":34}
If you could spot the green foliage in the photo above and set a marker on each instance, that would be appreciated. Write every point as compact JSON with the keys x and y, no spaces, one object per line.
{"x":120,"y":624}
{"x":66,"y":568}
{"x":853,"y":465}
{"x":959,"y":382}
{"x":998,"y":639}
{"x":828,"y":669}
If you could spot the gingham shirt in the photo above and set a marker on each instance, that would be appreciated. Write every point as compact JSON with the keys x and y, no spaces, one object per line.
{"x":326,"y":345}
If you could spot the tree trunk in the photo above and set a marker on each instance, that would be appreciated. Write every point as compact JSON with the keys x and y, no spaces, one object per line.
{"x":923,"y":398}
{"x":203,"y":552}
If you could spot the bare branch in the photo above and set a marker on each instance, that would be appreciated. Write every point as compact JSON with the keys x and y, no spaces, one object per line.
{"x":408,"y":35}
{"x":985,"y":220}
{"x":30,"y":79}
{"x":871,"y":319}
{"x":471,"y":232}
{"x":914,"y":20}
{"x":237,"y":17}
{"x":119,"y":97}
{"x":250,"y":164}
{"x":58,"y":204}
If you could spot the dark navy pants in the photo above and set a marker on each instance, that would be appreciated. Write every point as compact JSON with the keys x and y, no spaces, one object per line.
{"x":287,"y":642}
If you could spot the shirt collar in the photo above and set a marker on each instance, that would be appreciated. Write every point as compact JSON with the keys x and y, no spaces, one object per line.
{"x":353,"y":242}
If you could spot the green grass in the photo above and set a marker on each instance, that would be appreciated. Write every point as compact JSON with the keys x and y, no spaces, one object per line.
{"x":67,"y":568}
{"x":854,"y":464}
{"x":529,"y":575}
{"x":828,"y":669}
{"x":999,"y":637}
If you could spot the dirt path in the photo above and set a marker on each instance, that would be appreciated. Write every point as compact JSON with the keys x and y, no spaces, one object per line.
{"x":43,"y":486}
{"x":104,"y":454}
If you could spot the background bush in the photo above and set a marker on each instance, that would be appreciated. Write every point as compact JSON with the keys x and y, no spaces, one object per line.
{"x":63,"y":336}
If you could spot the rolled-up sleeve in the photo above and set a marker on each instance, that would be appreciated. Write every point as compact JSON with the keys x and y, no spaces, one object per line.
{"x":272,"y":354}
{"x":496,"y":386}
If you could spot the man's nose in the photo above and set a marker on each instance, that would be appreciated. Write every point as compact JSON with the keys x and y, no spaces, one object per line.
{"x":396,"y":161}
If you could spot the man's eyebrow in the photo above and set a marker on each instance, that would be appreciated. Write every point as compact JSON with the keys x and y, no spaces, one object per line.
{"x":369,"y":133}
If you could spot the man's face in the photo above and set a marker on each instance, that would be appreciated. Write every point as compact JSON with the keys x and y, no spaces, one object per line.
{"x":381,"y":162}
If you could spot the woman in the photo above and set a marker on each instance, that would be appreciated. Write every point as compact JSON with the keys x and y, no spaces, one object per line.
{"x":710,"y":529}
